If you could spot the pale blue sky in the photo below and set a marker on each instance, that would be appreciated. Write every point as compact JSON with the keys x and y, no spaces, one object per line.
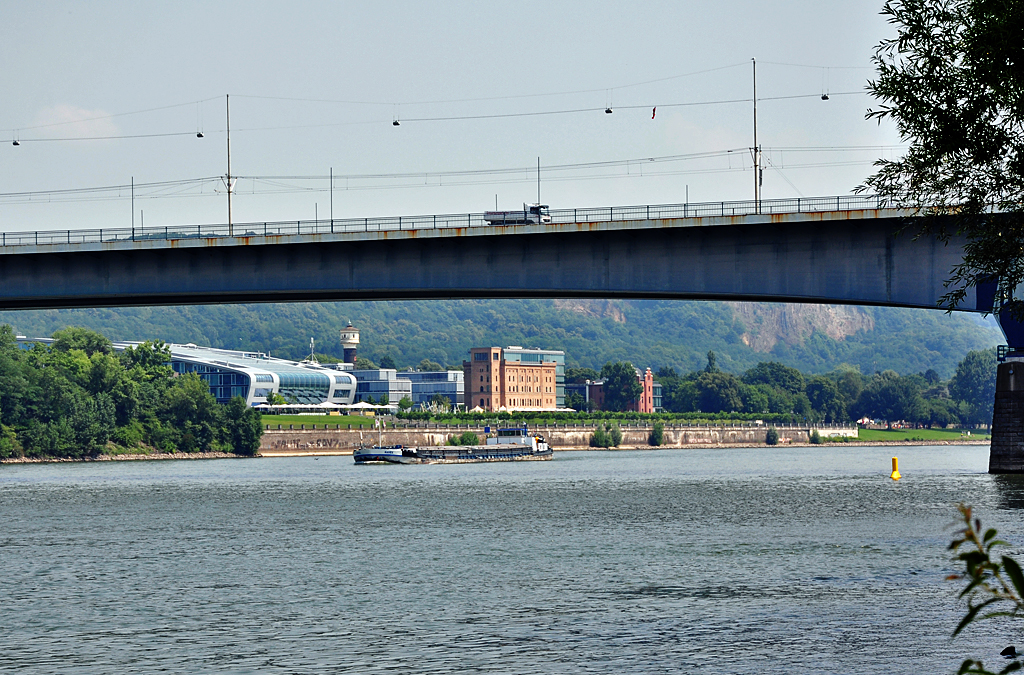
{"x":414,"y":60}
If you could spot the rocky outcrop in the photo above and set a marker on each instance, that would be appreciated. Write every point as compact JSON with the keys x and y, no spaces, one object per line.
{"x":601,"y":309}
{"x":768,"y":324}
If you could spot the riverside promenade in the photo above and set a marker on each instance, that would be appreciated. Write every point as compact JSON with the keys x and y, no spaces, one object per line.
{"x":331,"y":439}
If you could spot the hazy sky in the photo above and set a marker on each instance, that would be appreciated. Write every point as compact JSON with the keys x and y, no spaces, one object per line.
{"x":317,"y":86}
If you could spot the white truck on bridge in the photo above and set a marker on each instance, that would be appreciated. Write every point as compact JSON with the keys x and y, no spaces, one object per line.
{"x":531,"y":213}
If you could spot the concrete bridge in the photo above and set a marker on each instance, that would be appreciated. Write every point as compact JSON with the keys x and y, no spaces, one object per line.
{"x":826,"y":250}
{"x":834,"y":250}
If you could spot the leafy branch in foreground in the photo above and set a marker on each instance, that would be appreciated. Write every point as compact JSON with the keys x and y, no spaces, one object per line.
{"x":993,"y":588}
{"x":952,"y":81}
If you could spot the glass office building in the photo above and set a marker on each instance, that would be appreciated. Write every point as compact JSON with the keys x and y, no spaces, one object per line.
{"x":426,"y":385}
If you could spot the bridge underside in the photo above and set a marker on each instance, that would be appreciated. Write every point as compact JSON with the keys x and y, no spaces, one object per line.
{"x":796,"y":259}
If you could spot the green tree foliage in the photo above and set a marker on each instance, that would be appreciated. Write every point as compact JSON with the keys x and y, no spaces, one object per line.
{"x":824,"y":397}
{"x":577,"y":402}
{"x":890,"y":396}
{"x":776,"y":375}
{"x":606,"y":435}
{"x":621,"y":387}
{"x":243,"y":427}
{"x":575,"y":375}
{"x":815,"y":437}
{"x":363,"y":363}
{"x":719,"y":392}
{"x":994,"y":585}
{"x":81,"y":339}
{"x":405,"y":403}
{"x":771,"y":436}
{"x":952,"y":80}
{"x":657,"y":435}
{"x":974,"y":386}
{"x":850,"y":384}
{"x":75,"y":397}
{"x":387,"y":362}
{"x":428,"y":365}
{"x":712,"y":366}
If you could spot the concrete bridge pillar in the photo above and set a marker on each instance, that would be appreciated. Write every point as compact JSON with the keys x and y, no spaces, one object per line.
{"x":1006,"y":454}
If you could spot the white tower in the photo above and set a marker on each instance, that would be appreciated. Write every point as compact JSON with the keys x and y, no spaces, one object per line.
{"x":349,"y":343}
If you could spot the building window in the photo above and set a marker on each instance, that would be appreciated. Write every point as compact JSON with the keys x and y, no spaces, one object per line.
{"x":495,"y":355}
{"x":479,"y":356}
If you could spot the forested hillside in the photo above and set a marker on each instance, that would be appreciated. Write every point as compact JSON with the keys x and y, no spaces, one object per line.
{"x":655,"y":333}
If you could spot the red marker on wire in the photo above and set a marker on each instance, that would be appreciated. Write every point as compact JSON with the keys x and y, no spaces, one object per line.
{"x":654,"y":112}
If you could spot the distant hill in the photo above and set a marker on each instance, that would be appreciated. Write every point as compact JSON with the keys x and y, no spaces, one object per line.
{"x":655,"y":333}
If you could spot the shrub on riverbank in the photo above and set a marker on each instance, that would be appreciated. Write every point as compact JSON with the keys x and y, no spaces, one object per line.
{"x":771,"y":436}
{"x":657,"y":434}
{"x":79,"y":398}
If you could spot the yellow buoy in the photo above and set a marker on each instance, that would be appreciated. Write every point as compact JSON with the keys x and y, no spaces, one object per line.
{"x":895,"y":475}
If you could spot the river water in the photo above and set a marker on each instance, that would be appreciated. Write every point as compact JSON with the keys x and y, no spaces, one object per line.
{"x":719,"y":561}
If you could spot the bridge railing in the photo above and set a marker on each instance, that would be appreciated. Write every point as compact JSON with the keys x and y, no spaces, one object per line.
{"x":440,"y":221}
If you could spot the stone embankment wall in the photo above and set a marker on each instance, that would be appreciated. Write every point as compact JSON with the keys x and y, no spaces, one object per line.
{"x":321,"y":439}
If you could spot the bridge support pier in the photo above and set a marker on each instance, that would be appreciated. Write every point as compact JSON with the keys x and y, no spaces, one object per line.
{"x":1006,"y":454}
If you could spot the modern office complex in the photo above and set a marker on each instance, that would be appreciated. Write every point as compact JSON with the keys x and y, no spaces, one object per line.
{"x":381,"y":382}
{"x":514,"y":379}
{"x":427,"y":384}
{"x":253,"y":375}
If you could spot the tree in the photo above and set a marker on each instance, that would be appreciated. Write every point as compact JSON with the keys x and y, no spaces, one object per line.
{"x":771,"y":436}
{"x":430,"y":366}
{"x":621,"y":386}
{"x":657,"y":435}
{"x":83,"y":339}
{"x":952,"y":81}
{"x":712,"y":366}
{"x":405,"y":403}
{"x":974,"y":384}
{"x":363,"y":363}
{"x":576,"y":375}
{"x":776,"y":375}
{"x":890,"y":397}
{"x":440,"y":403}
{"x":242,"y":426}
{"x":719,"y":392}
{"x":387,"y":362}
{"x":576,"y":401}
{"x":825,"y":398}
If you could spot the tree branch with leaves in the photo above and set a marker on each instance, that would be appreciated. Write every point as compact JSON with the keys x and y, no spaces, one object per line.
{"x":953,"y":82}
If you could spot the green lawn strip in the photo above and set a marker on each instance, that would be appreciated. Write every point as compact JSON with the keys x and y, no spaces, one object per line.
{"x":319,"y":420}
{"x":925,"y":434}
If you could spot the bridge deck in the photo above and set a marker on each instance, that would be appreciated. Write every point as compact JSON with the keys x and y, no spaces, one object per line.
{"x":446,"y":225}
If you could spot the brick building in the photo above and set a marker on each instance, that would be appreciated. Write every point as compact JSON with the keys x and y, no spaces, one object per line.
{"x":648,"y":402}
{"x":513,"y":378}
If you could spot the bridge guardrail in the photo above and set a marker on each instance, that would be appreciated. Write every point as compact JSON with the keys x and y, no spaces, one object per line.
{"x":442,"y":221}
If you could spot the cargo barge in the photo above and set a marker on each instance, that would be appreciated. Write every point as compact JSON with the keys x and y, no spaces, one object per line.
{"x":507,"y":445}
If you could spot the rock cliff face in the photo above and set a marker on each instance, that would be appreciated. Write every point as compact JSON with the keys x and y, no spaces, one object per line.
{"x":600,"y":309}
{"x":768,"y":324}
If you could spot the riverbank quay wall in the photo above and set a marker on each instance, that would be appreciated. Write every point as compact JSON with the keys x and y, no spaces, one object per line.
{"x":331,"y":438}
